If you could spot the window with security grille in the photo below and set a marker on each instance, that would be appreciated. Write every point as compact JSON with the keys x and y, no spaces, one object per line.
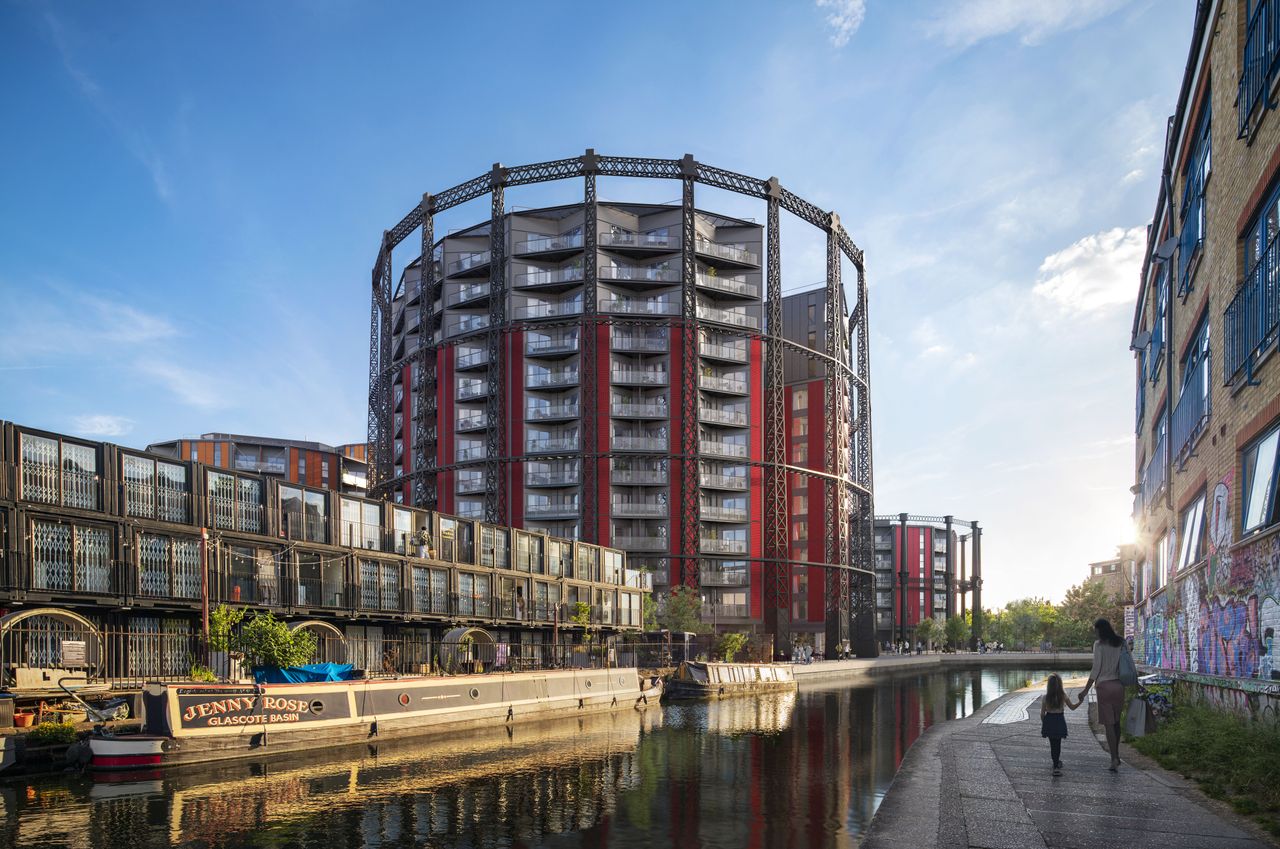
{"x":56,"y":471}
{"x":70,"y":558}
{"x":169,"y":567}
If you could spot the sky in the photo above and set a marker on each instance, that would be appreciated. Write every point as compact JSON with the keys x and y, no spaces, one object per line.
{"x":192,"y":196}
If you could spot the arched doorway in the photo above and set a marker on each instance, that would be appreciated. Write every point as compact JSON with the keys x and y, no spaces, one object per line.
{"x":466,"y":650}
{"x":331,"y":643}
{"x":43,"y":645}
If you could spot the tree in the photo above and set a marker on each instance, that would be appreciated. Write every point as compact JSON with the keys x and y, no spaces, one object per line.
{"x":649,"y":612}
{"x":729,"y":644}
{"x":683,"y":611}
{"x":928,"y":631}
{"x":957,"y":632}
{"x":261,"y":639}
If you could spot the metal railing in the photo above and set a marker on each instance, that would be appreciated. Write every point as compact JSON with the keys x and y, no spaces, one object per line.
{"x":734,"y":253}
{"x":472,"y":420}
{"x":624,"y":239}
{"x":542,"y":244}
{"x":1261,"y":51}
{"x":722,"y":415}
{"x":732,"y":285}
{"x":1154,"y":476}
{"x":715,"y":513}
{"x":468,"y":292}
{"x":638,"y":410}
{"x":630,"y":508}
{"x":553,"y":507}
{"x":631,"y":306}
{"x":472,"y":389}
{"x":1251,"y":320}
{"x":724,"y":578}
{"x":632,"y":542}
{"x":712,"y":611}
{"x":549,"y":276}
{"x":736,"y":353}
{"x":548,"y":310}
{"x":468,"y":261}
{"x":566,"y":344}
{"x":715,"y":481}
{"x":738,"y":319}
{"x":723,"y":449}
{"x":639,"y":273}
{"x":715,"y":383}
{"x":542,"y":446}
{"x":471,"y":358}
{"x":639,"y":476}
{"x":469,"y":485}
{"x":716,"y":545}
{"x":459,"y":324}
{"x":657,"y":343}
{"x":639,"y":376}
{"x":465,"y":453}
{"x":626,"y":442}
{"x":1192,"y":411}
{"x":568,"y":477}
{"x":567,"y":377}
{"x":545,"y":412}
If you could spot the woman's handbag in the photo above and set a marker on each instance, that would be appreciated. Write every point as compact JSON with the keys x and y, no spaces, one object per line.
{"x":1127,"y":671}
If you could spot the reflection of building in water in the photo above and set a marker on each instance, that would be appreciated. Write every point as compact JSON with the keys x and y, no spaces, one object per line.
{"x":769,"y":713}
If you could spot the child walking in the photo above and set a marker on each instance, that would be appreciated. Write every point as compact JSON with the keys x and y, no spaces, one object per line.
{"x":1053,"y":724}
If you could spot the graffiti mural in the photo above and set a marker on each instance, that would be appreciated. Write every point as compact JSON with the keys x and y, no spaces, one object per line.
{"x":1222,"y":618}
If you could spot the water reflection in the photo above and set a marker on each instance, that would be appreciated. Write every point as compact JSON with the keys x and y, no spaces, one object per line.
{"x":785,"y":770}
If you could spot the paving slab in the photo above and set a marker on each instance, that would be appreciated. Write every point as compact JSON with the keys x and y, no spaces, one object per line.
{"x":986,"y":782}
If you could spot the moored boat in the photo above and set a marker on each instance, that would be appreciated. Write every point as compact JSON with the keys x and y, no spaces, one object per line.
{"x":697,"y":680}
{"x":190,"y":723}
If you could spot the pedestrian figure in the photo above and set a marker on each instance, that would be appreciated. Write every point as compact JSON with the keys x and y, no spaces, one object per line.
{"x":1053,"y":724}
{"x":1107,"y":651}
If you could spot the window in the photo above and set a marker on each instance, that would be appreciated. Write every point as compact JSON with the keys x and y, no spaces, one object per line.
{"x":1160,"y":560}
{"x":1158,"y":323}
{"x":169,"y":567}
{"x":799,"y":529}
{"x":235,"y":502}
{"x":217,"y":453}
{"x":401,"y":528}
{"x":55,"y":471}
{"x":70,"y":557}
{"x":379,"y":585}
{"x":1192,"y":411}
{"x":493,"y":547}
{"x":361,"y":524}
{"x":800,"y":426}
{"x":1260,"y":48}
{"x":193,"y":452}
{"x":154,"y":489}
{"x":324,"y":471}
{"x":813,"y":313}
{"x":1193,"y":209}
{"x":1250,"y":319}
{"x":800,"y":594}
{"x":1192,"y":535}
{"x":253,"y":575}
{"x":800,"y":399}
{"x":302,"y":467}
{"x":304,"y":514}
{"x":1259,"y":473}
{"x":799,"y":504}
{"x":800,"y":453}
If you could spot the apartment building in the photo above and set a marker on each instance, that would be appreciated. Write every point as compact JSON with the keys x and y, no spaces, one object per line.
{"x":926,"y":566}
{"x":1205,"y":327}
{"x":342,"y":468}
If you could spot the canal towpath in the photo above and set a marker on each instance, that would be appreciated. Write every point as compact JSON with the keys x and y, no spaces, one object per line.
{"x":985,"y":782}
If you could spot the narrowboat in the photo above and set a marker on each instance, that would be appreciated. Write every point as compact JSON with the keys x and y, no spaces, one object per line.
{"x":197,"y":723}
{"x":696,"y":680}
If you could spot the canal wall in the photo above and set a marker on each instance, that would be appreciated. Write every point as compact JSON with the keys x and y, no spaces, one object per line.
{"x":829,"y":670}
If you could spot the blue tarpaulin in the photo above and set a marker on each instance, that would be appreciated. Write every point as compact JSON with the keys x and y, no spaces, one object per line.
{"x":302,"y":674}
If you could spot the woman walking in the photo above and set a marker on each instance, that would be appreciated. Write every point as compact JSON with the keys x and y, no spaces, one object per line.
{"x":1105,"y":674}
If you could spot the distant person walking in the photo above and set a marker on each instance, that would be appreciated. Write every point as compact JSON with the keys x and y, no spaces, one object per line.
{"x":1105,"y":674}
{"x":1053,"y":723}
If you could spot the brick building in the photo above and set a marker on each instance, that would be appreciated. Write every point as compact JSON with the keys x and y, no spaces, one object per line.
{"x":1204,"y":333}
{"x":1116,"y":575}
{"x":926,"y":566}
{"x":342,"y":468}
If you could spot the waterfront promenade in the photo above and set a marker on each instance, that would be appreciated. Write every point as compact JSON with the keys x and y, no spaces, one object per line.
{"x":985,"y":782}
{"x":836,"y":670}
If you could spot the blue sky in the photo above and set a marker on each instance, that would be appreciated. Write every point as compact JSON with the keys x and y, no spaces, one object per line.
{"x":192,"y":197}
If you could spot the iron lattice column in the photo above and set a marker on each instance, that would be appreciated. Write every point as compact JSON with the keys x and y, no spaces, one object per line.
{"x":380,"y":396}
{"x":589,"y":393}
{"x":902,"y":577}
{"x":426,"y":387}
{"x":863,"y":553}
{"x":690,"y":508}
{"x":976,"y":573}
{"x":836,"y":522}
{"x":948,"y":579}
{"x":495,"y":490}
{"x":777,"y":557}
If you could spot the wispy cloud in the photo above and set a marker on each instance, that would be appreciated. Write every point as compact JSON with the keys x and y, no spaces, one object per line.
{"x":100,"y":424}
{"x":844,"y":17}
{"x":134,"y":139}
{"x":964,"y":24}
{"x":196,"y":388}
{"x":1094,"y":275}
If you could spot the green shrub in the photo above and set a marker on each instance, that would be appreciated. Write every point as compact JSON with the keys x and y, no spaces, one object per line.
{"x":51,"y":733}
{"x":202,"y":673}
{"x":729,"y":644}
{"x":1230,"y":758}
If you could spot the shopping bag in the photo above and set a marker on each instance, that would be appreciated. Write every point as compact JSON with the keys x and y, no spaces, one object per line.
{"x":1136,"y":719}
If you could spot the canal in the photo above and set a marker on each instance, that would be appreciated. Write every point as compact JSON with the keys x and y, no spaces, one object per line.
{"x":796,"y":769}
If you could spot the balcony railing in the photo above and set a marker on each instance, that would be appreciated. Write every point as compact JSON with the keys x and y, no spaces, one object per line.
{"x":1253,"y":316}
{"x":639,"y":477}
{"x":566,"y":344}
{"x":554,"y":444}
{"x":549,"y":276}
{"x":550,"y":412}
{"x":622,"y":239}
{"x":640,"y":273}
{"x":543,"y":244}
{"x":459,"y":324}
{"x":736,"y":353}
{"x":1261,"y":50}
{"x":469,"y":391}
{"x":736,"y":385}
{"x":548,"y":310}
{"x":1154,"y":477}
{"x":555,"y":508}
{"x":270,"y":465}
{"x":472,"y":420}
{"x":464,"y":453}
{"x":732,"y":285}
{"x":723,"y":578}
{"x":640,"y":543}
{"x":470,"y":485}
{"x":535,"y":380}
{"x":716,"y":545}
{"x":630,"y":508}
{"x":564,"y":477}
{"x":714,"y":481}
{"x":722,"y":449}
{"x":733,"y":253}
{"x":638,"y":410}
{"x":471,"y":359}
{"x":723,"y":415}
{"x":466,"y":262}
{"x":639,"y":376}
{"x":711,"y":611}
{"x":642,"y":343}
{"x":716,"y":513}
{"x":469,"y":292}
{"x":622,"y":442}
{"x":631,"y":306}
{"x":737,"y":319}
{"x":1192,"y":411}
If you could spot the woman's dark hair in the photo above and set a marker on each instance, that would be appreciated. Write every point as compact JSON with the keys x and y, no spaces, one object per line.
{"x":1055,"y":696}
{"x":1106,"y":633}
